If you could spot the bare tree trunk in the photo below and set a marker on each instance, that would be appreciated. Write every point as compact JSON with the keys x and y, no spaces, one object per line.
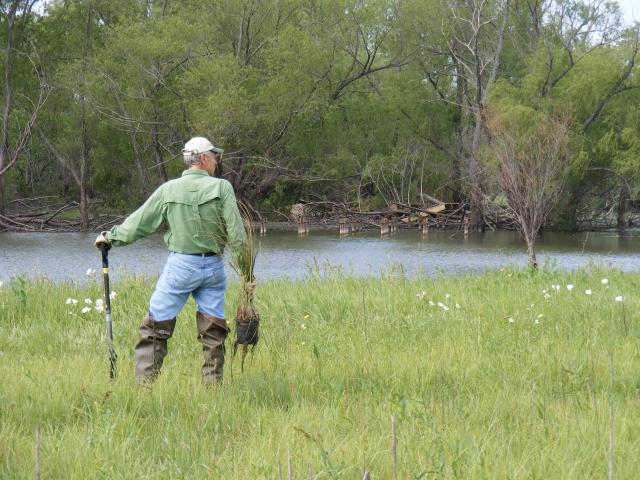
{"x":142,"y":172}
{"x":456,"y":167}
{"x":84,"y":206}
{"x":531,"y":252}
{"x":158,"y":151}
{"x":623,"y":199}
{"x":86,"y":147}
{"x":476,"y":209}
{"x":8,"y":95}
{"x":3,"y":207}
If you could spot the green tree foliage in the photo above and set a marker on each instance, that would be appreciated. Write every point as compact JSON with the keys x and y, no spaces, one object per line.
{"x":361,"y":103}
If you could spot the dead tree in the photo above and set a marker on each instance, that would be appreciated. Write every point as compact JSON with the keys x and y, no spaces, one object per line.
{"x":529,"y":153}
{"x":475,"y":42}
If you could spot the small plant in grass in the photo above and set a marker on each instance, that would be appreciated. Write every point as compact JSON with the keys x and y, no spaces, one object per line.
{"x":18,"y":286}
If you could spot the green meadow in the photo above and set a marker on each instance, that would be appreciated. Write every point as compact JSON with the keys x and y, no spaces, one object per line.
{"x":505,"y":375}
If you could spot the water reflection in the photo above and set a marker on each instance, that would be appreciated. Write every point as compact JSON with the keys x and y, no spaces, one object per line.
{"x":67,"y":256}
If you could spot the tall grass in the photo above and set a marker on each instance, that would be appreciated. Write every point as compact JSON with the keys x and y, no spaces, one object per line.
{"x":510,"y":384}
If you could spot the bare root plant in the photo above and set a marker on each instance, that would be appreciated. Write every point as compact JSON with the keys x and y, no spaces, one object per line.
{"x":243,"y":262}
{"x":529,"y":154}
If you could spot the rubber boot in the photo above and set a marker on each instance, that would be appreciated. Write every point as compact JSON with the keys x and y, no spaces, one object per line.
{"x":212,"y":332}
{"x":152,"y":347}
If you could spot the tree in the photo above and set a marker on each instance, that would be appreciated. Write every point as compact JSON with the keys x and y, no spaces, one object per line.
{"x":528,"y":152}
{"x":16,"y":16}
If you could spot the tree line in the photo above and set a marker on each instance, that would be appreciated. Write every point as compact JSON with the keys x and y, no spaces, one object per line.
{"x":531,"y":106}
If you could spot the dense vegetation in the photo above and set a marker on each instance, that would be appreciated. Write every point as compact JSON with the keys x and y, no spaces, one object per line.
{"x":361,"y":102}
{"x":503,"y":375}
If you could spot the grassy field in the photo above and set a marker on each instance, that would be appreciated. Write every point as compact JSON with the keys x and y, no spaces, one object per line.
{"x":502,"y":375}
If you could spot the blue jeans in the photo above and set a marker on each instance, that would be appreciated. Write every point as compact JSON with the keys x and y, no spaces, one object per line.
{"x":184,"y":275}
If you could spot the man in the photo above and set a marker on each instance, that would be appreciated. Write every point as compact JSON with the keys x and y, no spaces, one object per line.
{"x":201,"y":216}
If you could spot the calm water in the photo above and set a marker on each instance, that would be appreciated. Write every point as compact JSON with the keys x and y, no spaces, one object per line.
{"x":67,"y":256}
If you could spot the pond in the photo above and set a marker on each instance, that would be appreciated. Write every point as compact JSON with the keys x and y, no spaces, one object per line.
{"x":67,"y":256}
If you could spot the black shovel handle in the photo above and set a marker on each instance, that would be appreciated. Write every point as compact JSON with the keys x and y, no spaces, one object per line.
{"x":104,"y":248}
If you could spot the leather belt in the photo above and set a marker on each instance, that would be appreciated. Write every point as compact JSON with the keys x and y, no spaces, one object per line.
{"x":203,"y":254}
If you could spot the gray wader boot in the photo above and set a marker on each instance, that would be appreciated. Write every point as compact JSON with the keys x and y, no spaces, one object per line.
{"x":212,"y":332}
{"x":152,"y":347}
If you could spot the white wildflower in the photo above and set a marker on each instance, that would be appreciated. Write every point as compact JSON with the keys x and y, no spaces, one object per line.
{"x":421,"y":294}
{"x":540,"y":315}
{"x":619,"y":298}
{"x":90,"y":271}
{"x":113,"y":295}
{"x":303,"y":344}
{"x":530,"y":306}
{"x":98,"y":308}
{"x":536,"y":321}
{"x":458,"y":307}
{"x":88,"y":301}
{"x":99,"y":302}
{"x":445,"y":308}
{"x":547,"y":296}
{"x":511,"y":320}
{"x":605,"y":281}
{"x":86,"y":309}
{"x":440,"y":304}
{"x":446,"y":297}
{"x":431,"y":304}
{"x":588,"y":291}
{"x":569,"y":287}
{"x":71,"y":301}
{"x":303,"y":326}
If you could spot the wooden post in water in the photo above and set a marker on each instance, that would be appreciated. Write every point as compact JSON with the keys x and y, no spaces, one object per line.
{"x":263,"y":226}
{"x":425,"y":225}
{"x":466,"y":226}
{"x":303,"y":228}
{"x":342,"y":225}
{"x":384,"y":225}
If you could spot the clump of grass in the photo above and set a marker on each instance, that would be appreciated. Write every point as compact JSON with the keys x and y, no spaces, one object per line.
{"x":243,"y":261}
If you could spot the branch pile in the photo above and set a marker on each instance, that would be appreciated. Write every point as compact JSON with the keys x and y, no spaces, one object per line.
{"x":44,"y":214}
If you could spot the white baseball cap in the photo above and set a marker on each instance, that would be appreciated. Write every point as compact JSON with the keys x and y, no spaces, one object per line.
{"x":198,"y":145}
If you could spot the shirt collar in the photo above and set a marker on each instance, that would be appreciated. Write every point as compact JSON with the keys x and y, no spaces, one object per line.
{"x":194,"y":172}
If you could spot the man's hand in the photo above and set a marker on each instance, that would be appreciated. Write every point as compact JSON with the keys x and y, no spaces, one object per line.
{"x":101,"y":240}
{"x":249,"y":288}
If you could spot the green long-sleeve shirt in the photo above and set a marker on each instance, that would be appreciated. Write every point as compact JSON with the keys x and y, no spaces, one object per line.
{"x":200,"y":212}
